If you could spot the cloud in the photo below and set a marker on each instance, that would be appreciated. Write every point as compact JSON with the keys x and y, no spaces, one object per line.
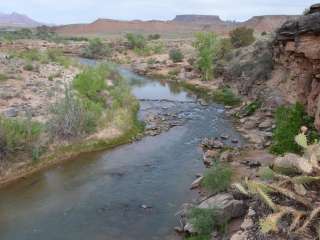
{"x":74,"y":11}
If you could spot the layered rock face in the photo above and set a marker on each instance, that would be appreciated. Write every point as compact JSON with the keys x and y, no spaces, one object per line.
{"x":297,"y":49}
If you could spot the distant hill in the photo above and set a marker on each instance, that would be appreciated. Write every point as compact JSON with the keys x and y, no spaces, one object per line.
{"x":181,"y":25}
{"x":17,"y":20}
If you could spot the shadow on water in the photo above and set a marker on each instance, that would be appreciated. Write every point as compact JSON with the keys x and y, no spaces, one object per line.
{"x":100,"y":195}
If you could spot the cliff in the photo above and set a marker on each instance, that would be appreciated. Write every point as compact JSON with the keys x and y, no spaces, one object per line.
{"x":297,"y":51}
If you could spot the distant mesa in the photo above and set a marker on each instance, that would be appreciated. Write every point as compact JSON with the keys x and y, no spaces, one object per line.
{"x":200,"y":19}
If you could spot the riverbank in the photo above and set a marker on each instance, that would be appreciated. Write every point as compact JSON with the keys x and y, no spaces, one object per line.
{"x":104,"y":125}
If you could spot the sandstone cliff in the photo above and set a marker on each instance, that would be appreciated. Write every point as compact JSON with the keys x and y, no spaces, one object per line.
{"x":297,"y":51}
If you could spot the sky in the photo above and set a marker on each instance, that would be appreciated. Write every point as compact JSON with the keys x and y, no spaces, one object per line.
{"x":83,"y":11}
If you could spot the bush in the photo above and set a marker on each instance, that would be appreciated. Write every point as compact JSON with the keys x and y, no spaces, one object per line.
{"x":31,"y":55}
{"x":217,"y":179}
{"x":206,"y":45}
{"x":176,"y":55}
{"x":288,"y":123}
{"x":96,"y":49}
{"x":225,"y":47}
{"x":226,"y":97}
{"x":136,"y":41}
{"x":29,"y":67}
{"x":57,"y":56}
{"x":251,"y":108}
{"x":242,"y":37}
{"x":91,"y":83}
{"x":3,"y":77}
{"x":205,"y":221}
{"x":154,"y":36}
{"x":157,"y":47}
{"x":17,"y":135}
{"x":73,"y":117}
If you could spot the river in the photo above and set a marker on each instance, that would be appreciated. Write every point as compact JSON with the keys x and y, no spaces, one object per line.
{"x":131,"y":192}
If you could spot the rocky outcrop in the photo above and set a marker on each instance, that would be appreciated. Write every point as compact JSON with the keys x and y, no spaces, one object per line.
{"x":297,"y":50}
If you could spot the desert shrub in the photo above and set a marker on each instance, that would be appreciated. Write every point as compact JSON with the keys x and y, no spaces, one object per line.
{"x":91,"y":83}
{"x":226,"y":96}
{"x":251,"y":108}
{"x":264,"y":33}
{"x":242,"y":37}
{"x":97,"y":49}
{"x":205,"y":221}
{"x":57,"y":56}
{"x":288,"y":123}
{"x":151,"y":61}
{"x":176,"y":55}
{"x":217,"y":178}
{"x":31,"y":55}
{"x":17,"y":134}
{"x":29,"y":67}
{"x":136,"y":41}
{"x":154,"y":36}
{"x":3,"y":77}
{"x":73,"y":117}
{"x":206,"y":45}
{"x":225,"y":47}
{"x":157,"y":47}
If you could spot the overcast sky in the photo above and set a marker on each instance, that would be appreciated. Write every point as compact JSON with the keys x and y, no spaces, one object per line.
{"x":75,"y":11}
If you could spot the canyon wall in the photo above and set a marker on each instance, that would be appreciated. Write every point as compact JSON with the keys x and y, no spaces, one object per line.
{"x":297,"y":51}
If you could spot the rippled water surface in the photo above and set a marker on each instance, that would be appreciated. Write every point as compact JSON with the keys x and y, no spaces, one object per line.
{"x":100,"y":195}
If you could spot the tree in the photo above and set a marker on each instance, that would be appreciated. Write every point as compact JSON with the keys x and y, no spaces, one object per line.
{"x":242,"y":37}
{"x":207,"y":45}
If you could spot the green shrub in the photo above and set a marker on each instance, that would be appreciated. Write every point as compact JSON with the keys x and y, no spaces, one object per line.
{"x":242,"y":37}
{"x":217,"y":178}
{"x":205,"y":221}
{"x":157,"y":47}
{"x":136,"y":41}
{"x":17,"y":134}
{"x":226,"y":96}
{"x":251,"y":108}
{"x":176,"y":55}
{"x":57,"y":56}
{"x":154,"y":36}
{"x":3,"y":77}
{"x":207,"y":45}
{"x":97,"y":49}
{"x":29,"y":67}
{"x":288,"y":123}
{"x":92,"y":82}
{"x":73,"y":117}
{"x":31,"y":55}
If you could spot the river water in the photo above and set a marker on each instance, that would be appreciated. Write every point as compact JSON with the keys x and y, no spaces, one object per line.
{"x":129,"y":193}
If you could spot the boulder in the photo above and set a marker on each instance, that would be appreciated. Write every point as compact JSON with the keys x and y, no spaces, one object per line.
{"x":293,"y":163}
{"x":11,"y":112}
{"x":226,"y":205}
